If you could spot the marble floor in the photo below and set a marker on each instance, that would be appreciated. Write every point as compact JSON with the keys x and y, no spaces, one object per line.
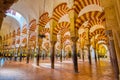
{"x":15,"y":70}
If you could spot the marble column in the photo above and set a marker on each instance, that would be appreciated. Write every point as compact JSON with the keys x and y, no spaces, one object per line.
{"x":21,"y":52}
{"x":117,"y":47}
{"x":61,"y":55}
{"x":74,"y":49}
{"x":88,"y":44}
{"x":38,"y":56}
{"x":113,"y":54}
{"x":52,"y":53}
{"x":28,"y":55}
{"x":83,"y":54}
{"x":95,"y":54}
{"x":112,"y":15}
{"x":61,"y":49}
{"x":94,"y":47}
{"x":89,"y":54}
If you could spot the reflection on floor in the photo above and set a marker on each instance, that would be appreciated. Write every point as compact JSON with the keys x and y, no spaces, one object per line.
{"x":12,"y":70}
{"x":2,"y":60}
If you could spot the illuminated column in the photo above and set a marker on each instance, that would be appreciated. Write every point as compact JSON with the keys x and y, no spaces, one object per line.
{"x":52,"y":53}
{"x":113,"y":54}
{"x":20,"y":46}
{"x":74,"y":49}
{"x":37,"y":45}
{"x":111,"y":9}
{"x":94,"y":46}
{"x":88,"y":44}
{"x":64,"y":51}
{"x":95,"y":54}
{"x":74,"y":34}
{"x":82,"y":48}
{"x":97,"y":50}
{"x":53,"y":39}
{"x":61,"y":48}
{"x":83,"y":54}
{"x":28,"y":48}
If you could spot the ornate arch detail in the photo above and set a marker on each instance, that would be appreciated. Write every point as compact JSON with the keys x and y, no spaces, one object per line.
{"x":61,"y":26}
{"x":45,"y":30}
{"x":100,"y":31}
{"x":94,"y":22}
{"x":65,"y":38}
{"x":102,"y":39}
{"x":13,"y":34}
{"x":24,"y":30}
{"x":83,"y":35}
{"x":24,"y":40}
{"x":80,"y":4}
{"x":32,"y":25}
{"x":59,"y":11}
{"x":18,"y":31}
{"x":32,"y":37}
{"x":13,"y":42}
{"x":18,"y":41}
{"x":46,"y":46}
{"x":103,"y":43}
{"x":44,"y":19}
{"x":94,"y":15}
{"x":63,"y":31}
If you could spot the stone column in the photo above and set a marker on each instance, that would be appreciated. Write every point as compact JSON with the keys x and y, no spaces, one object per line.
{"x":52,"y":53}
{"x":97,"y":51}
{"x":111,"y":8}
{"x":74,"y":37}
{"x":117,"y":47}
{"x":94,"y":47}
{"x":61,"y":48}
{"x":37,"y":46}
{"x":28,"y":55}
{"x":21,"y":52}
{"x":113,"y":54}
{"x":88,"y":44}
{"x":61,"y":55}
{"x":74,"y":55}
{"x":89,"y":54}
{"x":64,"y":51}
{"x":28,"y":48}
{"x":95,"y":54}
{"x":83,"y":54}
{"x":37,"y":57}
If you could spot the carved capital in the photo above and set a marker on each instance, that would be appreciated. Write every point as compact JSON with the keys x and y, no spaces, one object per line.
{"x":74,"y":39}
{"x":109,"y":34}
{"x":52,"y":42}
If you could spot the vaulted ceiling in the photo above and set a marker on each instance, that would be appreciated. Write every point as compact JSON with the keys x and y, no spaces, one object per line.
{"x":4,"y":5}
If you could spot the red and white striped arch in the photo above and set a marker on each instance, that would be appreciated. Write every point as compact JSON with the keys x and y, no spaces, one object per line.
{"x":94,"y":16}
{"x":24,"y":29}
{"x":61,"y":26}
{"x":100,"y":31}
{"x":44,"y":19}
{"x":45,"y":30}
{"x":80,"y":4}
{"x":60,"y":11}
{"x":32,"y":25}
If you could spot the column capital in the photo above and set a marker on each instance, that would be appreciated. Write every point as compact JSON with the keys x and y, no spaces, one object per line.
{"x":109,"y":34}
{"x":53,"y":42}
{"x":74,"y":39}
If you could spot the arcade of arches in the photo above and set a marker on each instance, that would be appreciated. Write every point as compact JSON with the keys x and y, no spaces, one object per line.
{"x":86,"y":30}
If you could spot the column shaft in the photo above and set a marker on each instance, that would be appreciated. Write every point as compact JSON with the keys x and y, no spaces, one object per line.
{"x":75,"y":62}
{"x":52,"y":54}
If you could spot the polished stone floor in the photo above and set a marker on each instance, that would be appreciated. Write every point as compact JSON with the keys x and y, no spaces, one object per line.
{"x":15,"y":70}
